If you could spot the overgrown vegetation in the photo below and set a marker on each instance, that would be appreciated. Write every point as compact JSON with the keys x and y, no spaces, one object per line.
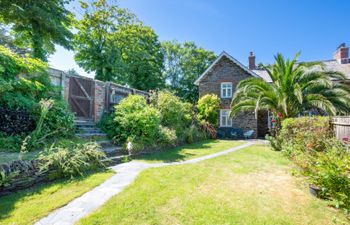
{"x":308,"y":142}
{"x":166,"y":121}
{"x":72,"y":160}
{"x":25,"y":88}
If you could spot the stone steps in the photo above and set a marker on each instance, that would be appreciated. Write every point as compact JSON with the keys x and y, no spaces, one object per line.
{"x":87,"y":129}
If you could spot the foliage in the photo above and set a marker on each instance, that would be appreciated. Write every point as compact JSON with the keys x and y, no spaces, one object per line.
{"x":134,"y":118}
{"x":295,"y":88}
{"x":208,"y":129}
{"x":330,"y":170}
{"x":305,"y":133}
{"x":10,"y":143}
{"x":5,"y":179}
{"x":208,"y":108}
{"x":70,"y":162}
{"x":24,"y":83}
{"x":59,"y":120}
{"x":93,"y":43}
{"x":309,"y":143}
{"x":8,"y":41}
{"x":167,"y":136}
{"x":15,"y":122}
{"x":141,"y":57}
{"x":194,"y":134}
{"x":106,"y":124}
{"x":174,"y":113}
{"x":183,"y":64}
{"x":38,"y":24}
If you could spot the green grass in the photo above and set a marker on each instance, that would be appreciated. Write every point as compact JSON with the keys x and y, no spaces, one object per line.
{"x":190,"y":151}
{"x":250,"y":186}
{"x":27,"y":206}
{"x":6,"y":157}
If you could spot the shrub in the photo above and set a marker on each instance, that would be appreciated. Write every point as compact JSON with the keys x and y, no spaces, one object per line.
{"x":331,"y":171}
{"x":59,"y":120}
{"x":135,"y":119}
{"x":326,"y":161}
{"x":69,"y":162}
{"x":10,"y":143}
{"x":167,"y":136}
{"x":305,"y":133}
{"x":13,"y":122}
{"x":174,"y":113}
{"x":193,"y":134}
{"x":106,"y":124}
{"x":208,"y":108}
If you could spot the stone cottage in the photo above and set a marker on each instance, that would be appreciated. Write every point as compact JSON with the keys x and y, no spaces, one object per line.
{"x":223,"y":75}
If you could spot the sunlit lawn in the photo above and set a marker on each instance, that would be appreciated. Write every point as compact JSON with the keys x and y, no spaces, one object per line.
{"x":190,"y":151}
{"x":250,"y":186}
{"x":27,"y":206}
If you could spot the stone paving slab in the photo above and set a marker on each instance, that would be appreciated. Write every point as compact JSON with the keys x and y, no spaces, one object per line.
{"x":125,"y":175}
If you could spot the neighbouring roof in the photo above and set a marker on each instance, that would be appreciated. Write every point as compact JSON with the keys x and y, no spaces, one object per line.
{"x":235,"y":61}
{"x":329,"y":65}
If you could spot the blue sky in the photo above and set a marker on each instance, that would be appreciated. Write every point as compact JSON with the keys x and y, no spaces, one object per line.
{"x":266,"y":27}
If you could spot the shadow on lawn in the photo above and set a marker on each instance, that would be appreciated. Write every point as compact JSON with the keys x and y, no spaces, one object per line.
{"x":178,"y":153}
{"x":8,"y":202}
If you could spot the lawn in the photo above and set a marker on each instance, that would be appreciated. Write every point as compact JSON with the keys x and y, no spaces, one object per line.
{"x":250,"y":186}
{"x":6,"y":157}
{"x":27,"y":206}
{"x":190,"y":151}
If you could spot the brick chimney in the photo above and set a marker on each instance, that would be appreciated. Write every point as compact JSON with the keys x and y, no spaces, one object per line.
{"x":342,"y":54}
{"x":251,"y":60}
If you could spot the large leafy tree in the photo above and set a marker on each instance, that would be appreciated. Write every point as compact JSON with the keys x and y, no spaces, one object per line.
{"x":183,"y":64}
{"x":116,"y":46}
{"x":141,"y":57}
{"x":95,"y":49}
{"x":38,"y":25}
{"x":295,"y":89}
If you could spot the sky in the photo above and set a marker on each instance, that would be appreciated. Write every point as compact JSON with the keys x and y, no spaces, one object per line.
{"x":266,"y":27}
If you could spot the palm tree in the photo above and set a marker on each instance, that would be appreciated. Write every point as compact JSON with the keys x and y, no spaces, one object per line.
{"x":295,"y":88}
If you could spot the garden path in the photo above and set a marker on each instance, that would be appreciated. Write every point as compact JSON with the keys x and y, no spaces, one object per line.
{"x":125,"y":175}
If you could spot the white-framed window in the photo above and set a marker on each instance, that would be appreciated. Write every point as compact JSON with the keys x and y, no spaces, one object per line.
{"x":226,"y":90}
{"x":225,"y":119}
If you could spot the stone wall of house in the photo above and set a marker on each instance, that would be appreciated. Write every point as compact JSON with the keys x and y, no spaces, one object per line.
{"x":227,"y":71}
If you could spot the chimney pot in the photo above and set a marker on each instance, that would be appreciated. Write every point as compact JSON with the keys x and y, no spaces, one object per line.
{"x":251,"y":61}
{"x":342,"y":54}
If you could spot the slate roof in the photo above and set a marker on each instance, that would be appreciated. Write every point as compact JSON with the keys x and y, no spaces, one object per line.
{"x":329,"y":65}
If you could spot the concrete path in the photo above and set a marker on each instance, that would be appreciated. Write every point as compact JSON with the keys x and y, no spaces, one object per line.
{"x":126,"y":173}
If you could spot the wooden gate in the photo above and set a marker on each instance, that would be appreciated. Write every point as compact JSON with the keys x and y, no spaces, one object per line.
{"x":81,"y":96}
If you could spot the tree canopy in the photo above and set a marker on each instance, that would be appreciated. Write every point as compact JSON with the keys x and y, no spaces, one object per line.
{"x":95,"y":51}
{"x":295,"y":89}
{"x":38,"y":25}
{"x":141,"y":57}
{"x":183,"y":64}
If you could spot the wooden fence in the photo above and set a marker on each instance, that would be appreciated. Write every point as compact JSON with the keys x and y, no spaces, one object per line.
{"x":341,"y":127}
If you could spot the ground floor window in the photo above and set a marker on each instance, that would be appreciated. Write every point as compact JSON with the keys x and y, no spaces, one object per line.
{"x":225,"y":119}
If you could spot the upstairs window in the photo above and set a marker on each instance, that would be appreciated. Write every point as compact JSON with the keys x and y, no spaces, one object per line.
{"x":225,"y":119}
{"x":226,"y":90}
